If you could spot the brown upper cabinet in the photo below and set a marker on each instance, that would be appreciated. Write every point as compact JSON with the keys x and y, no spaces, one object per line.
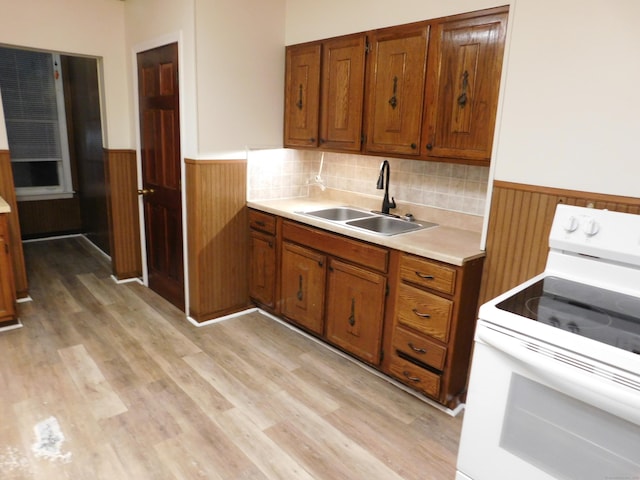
{"x":463,"y":79}
{"x":302,"y":95}
{"x":324,"y":93}
{"x":426,"y":90}
{"x":397,"y":64}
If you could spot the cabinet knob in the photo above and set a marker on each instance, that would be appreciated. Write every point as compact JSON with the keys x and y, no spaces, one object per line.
{"x":429,"y":146}
{"x":312,"y":140}
{"x":322,"y":140}
{"x":413,"y":146}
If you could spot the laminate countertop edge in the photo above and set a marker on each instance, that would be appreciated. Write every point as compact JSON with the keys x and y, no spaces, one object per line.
{"x":443,"y":243}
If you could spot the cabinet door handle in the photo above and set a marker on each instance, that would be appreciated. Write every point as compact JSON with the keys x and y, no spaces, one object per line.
{"x":424,"y":276}
{"x":352,"y":317}
{"x":299,"y":294}
{"x":421,"y":315}
{"x":393,"y":101}
{"x":299,"y":102}
{"x":409,"y":377}
{"x":417,"y":349}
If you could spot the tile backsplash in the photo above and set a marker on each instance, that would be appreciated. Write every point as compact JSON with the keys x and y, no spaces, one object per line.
{"x":286,"y":173}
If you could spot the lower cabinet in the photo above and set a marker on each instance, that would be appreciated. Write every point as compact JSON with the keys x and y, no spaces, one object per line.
{"x":410,"y":317}
{"x":7,"y":287}
{"x":355,"y":310}
{"x":303,"y":282}
{"x":433,"y":326}
{"x":263,"y":259}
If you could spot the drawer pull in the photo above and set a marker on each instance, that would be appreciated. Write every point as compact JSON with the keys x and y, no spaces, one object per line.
{"x":417,"y":349}
{"x":424,"y":276}
{"x":409,"y":377}
{"x":421,"y":315}
{"x":260,"y":223}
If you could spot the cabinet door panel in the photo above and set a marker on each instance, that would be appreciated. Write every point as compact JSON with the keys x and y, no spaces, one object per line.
{"x":303,"y":284}
{"x":396,"y":90}
{"x":262,"y":277}
{"x":302,"y":95}
{"x":355,"y":310}
{"x":465,"y":64}
{"x":343,"y":64}
{"x":7,"y":286}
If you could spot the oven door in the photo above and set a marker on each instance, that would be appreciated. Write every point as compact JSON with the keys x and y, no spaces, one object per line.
{"x":537,"y":412}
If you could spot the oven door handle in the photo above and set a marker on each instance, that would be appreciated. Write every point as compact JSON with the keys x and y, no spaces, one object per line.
{"x":599,"y":391}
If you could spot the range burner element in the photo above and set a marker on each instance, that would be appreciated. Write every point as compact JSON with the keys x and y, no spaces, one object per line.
{"x":582,"y":309}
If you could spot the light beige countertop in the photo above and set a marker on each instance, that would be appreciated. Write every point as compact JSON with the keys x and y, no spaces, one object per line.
{"x":455,"y":240}
{"x":4,"y":206}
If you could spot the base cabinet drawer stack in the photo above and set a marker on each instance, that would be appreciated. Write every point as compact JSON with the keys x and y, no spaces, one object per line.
{"x":433,"y":326}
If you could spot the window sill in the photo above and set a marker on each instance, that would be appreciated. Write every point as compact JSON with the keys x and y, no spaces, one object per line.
{"x":44,"y":196}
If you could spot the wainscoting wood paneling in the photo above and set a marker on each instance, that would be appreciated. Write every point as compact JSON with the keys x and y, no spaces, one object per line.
{"x":122,"y":204}
{"x":218,"y":237}
{"x":42,"y":218}
{"x":519,"y":225}
{"x":8,"y":192}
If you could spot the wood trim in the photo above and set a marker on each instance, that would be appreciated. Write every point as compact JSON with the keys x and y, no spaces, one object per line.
{"x":519,"y":224}
{"x":8,"y":192}
{"x":217,"y":237}
{"x":121,"y":177}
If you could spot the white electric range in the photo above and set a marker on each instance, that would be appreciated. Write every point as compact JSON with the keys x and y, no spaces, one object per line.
{"x":554,"y":391}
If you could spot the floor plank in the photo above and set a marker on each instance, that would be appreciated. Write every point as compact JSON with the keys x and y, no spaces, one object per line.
{"x":124,"y":387}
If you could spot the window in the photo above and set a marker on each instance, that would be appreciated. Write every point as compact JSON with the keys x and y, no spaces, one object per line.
{"x":33,"y":102}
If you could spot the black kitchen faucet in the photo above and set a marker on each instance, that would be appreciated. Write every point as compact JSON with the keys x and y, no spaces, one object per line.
{"x":386,"y":204}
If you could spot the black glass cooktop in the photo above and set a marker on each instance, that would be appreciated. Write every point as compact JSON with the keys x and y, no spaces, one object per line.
{"x":603,"y":315}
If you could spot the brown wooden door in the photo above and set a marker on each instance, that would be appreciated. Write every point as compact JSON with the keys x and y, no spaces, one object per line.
{"x":396,"y":89}
{"x":160,"y":146}
{"x":303,"y":283}
{"x":302,"y":95}
{"x":343,"y":67}
{"x":465,"y":63}
{"x":355,"y":310}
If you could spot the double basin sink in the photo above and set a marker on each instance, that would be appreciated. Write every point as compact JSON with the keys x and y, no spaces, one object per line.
{"x":371,"y":222}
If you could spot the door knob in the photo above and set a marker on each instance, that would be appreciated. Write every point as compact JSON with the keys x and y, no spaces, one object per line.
{"x":145,"y":191}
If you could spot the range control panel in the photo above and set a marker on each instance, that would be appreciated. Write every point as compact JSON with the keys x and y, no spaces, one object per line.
{"x":604,"y":234}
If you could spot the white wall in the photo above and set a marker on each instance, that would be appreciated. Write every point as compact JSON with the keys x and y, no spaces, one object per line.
{"x":569,"y":111}
{"x":240,"y":72}
{"x":94,"y":28}
{"x":153,"y":23}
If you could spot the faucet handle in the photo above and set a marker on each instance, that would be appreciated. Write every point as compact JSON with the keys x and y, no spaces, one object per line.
{"x":392,"y":204}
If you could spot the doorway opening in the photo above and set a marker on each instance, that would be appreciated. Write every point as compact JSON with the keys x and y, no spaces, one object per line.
{"x":52,"y":111}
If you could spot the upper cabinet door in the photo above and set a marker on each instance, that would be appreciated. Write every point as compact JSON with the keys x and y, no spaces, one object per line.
{"x":463,"y":80}
{"x":302,"y":95}
{"x":343,"y":67}
{"x":396,"y":89}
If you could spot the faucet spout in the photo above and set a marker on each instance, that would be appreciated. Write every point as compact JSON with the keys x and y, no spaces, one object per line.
{"x":384,"y":183}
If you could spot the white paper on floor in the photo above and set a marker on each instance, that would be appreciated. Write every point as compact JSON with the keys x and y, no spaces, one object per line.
{"x":49,"y":441}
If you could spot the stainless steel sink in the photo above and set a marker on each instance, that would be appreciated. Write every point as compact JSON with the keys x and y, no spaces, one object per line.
{"x":339,"y":214}
{"x":388,"y":225}
{"x":372,"y":222}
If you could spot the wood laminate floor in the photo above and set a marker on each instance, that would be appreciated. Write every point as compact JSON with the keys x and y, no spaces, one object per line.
{"x":109,"y":381}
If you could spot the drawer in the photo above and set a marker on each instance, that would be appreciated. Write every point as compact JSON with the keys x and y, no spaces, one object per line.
{"x":420,"y":348}
{"x":362,"y":253}
{"x":424,"y":312}
{"x":415,"y":376}
{"x":428,"y":274}
{"x":262,"y":221}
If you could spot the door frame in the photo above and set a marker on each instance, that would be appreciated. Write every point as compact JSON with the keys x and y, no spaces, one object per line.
{"x":175,"y":37}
